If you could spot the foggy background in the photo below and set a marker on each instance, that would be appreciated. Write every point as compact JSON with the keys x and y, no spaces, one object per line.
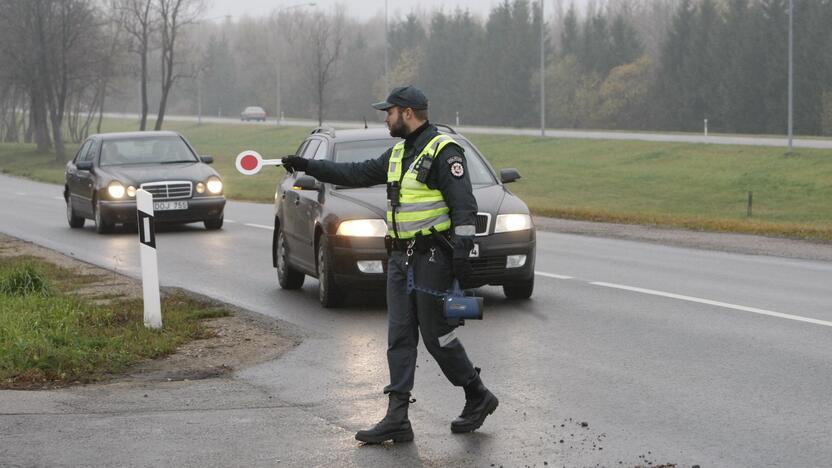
{"x":657,"y":65}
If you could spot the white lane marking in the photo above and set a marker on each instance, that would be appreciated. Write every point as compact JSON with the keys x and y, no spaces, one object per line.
{"x":20,"y":193}
{"x":552,"y":275}
{"x":58,"y":198}
{"x":271,"y":228}
{"x":726,"y":305}
{"x":230,"y":221}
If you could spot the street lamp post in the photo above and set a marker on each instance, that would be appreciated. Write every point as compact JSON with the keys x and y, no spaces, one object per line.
{"x":542,"y":74}
{"x":791,"y":74}
{"x":278,"y":114}
{"x":199,"y":76}
{"x":386,"y":46}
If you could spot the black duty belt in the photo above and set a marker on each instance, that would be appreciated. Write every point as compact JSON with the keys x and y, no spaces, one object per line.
{"x":418,"y":243}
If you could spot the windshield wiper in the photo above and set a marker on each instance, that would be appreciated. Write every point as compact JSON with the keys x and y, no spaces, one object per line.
{"x":175,"y":162}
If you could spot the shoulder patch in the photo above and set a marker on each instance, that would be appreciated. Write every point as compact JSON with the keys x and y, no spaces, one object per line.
{"x":454,"y":159}
{"x":457,"y":170}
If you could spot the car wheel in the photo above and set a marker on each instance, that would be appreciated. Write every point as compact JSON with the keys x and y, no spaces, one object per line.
{"x":519,"y":290}
{"x":328,"y":292}
{"x":101,"y":224}
{"x":287,"y":277}
{"x":213,"y":224}
{"x":74,"y":220}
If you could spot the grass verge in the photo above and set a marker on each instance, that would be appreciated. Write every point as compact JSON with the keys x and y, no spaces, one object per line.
{"x":51,"y":336}
{"x":691,"y":186}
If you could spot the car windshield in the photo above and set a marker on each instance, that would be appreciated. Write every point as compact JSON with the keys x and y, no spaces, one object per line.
{"x":146,"y":150}
{"x":355,"y":151}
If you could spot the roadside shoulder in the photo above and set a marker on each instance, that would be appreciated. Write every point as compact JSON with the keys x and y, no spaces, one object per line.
{"x":233,"y":340}
{"x":719,"y":241}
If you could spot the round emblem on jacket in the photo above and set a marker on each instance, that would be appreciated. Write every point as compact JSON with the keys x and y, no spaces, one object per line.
{"x":457,"y":170}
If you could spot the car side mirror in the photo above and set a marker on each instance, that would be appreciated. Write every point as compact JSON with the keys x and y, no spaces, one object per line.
{"x":84,"y":165}
{"x":206,"y":159}
{"x":509,"y":175}
{"x":306,"y":182}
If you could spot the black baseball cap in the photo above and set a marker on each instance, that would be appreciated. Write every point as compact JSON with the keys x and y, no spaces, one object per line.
{"x":404,"y":96}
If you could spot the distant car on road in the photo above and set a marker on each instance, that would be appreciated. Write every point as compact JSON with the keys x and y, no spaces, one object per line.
{"x":336,"y":234}
{"x":253,"y":113}
{"x":102,"y":179}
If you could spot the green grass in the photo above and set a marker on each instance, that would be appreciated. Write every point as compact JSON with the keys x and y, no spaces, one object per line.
{"x":50,"y":337}
{"x":695,"y":186}
{"x":690,"y":185}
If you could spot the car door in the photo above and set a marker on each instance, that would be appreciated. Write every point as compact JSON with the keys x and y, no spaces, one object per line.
{"x":86,"y":182}
{"x":309,"y":204}
{"x":303,"y":245}
{"x":290,"y":217}
{"x":72,"y":180}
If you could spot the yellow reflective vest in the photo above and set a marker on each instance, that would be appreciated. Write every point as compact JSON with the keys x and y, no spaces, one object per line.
{"x":420,"y":207}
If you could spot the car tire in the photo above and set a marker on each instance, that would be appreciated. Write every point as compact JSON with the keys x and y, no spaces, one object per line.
{"x":287,"y":277}
{"x":74,"y":220}
{"x":328,"y":292}
{"x":519,"y":290}
{"x":213,"y":224}
{"x":101,"y":224}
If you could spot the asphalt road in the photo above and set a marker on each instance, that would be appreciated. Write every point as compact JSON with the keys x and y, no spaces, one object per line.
{"x":670,"y":355}
{"x":747,"y":140}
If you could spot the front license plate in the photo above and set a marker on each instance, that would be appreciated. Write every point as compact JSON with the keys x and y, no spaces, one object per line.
{"x":475,"y":252}
{"x":170,"y":205}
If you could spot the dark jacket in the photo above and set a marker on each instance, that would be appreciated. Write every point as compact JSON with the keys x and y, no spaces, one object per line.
{"x":456,"y":189}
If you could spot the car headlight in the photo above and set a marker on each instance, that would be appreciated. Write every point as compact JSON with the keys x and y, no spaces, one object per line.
{"x":214,"y":185}
{"x":363,"y":228}
{"x":115,"y":189}
{"x":512,"y":222}
{"x":200,"y":187}
{"x":131,"y":191}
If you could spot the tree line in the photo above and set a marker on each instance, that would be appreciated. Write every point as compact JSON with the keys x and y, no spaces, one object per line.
{"x":626,"y":64}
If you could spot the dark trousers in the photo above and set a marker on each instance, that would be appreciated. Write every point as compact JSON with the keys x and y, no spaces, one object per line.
{"x":409,"y":313}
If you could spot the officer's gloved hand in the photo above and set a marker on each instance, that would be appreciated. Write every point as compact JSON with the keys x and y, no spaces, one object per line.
{"x":460,"y":264}
{"x":294,"y":163}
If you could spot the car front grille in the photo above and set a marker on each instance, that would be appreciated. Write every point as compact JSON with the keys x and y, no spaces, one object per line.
{"x":169,"y":190}
{"x":483,"y":220}
{"x":488,"y":266}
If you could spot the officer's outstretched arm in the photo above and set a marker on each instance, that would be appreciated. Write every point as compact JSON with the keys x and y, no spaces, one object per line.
{"x":357,"y":174}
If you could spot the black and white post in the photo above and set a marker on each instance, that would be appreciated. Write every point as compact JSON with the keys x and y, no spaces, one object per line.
{"x":147,"y":256}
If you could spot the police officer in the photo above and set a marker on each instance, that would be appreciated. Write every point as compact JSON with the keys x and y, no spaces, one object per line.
{"x":429,"y":195}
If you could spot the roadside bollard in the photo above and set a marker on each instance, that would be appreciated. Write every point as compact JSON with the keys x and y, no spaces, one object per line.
{"x":147,"y":257}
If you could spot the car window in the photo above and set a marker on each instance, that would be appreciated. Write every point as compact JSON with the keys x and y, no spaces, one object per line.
{"x":310,"y":149}
{"x":146,"y":150}
{"x":301,"y":148}
{"x":82,"y":151}
{"x":355,"y":151}
{"x":91,"y":151}
{"x":321,"y":152}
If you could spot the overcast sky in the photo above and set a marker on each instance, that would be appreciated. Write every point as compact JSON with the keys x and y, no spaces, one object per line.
{"x":362,"y":9}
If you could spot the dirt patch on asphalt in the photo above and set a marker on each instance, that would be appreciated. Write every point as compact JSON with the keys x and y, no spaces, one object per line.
{"x":240,"y":340}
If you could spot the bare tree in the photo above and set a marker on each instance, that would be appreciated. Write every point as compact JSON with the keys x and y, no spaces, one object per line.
{"x":174,"y":15}
{"x":19,"y":48}
{"x":322,"y":39}
{"x":140,"y":22}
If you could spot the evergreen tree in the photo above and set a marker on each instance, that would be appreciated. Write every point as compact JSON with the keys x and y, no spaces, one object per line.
{"x":569,"y":35}
{"x":672,"y":86}
{"x":450,"y":65}
{"x":509,"y":57}
{"x":405,"y":35}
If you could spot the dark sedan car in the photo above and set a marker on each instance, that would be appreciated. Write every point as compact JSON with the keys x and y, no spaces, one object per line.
{"x":101,"y":181}
{"x":336,"y":234}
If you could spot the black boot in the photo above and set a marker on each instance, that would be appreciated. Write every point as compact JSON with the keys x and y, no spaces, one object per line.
{"x":394,"y":426}
{"x":479,"y":403}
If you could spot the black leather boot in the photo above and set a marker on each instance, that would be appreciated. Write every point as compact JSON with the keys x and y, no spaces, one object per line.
{"x":479,"y":403}
{"x":394,"y":426}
